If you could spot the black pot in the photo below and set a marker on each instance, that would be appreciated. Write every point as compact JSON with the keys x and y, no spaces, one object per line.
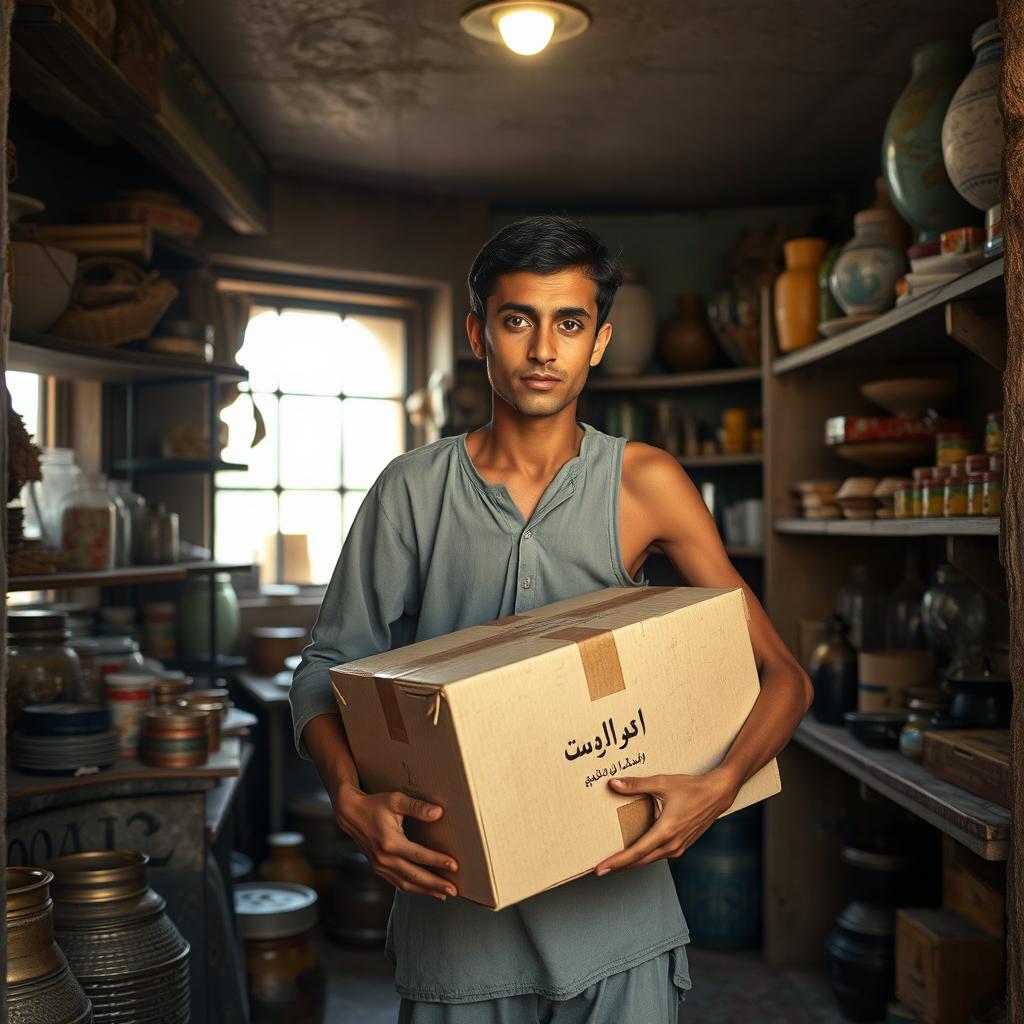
{"x":880,"y":879}
{"x":981,"y":699}
{"x":862,"y":961}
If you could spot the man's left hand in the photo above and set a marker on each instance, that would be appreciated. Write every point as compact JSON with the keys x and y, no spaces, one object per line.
{"x":687,"y":805}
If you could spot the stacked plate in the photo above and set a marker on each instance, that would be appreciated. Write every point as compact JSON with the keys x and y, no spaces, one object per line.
{"x":816,"y":499}
{"x":856,"y":497}
{"x":61,"y":739}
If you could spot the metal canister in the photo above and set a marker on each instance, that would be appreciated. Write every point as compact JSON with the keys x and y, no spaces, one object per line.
{"x":125,"y":951}
{"x":170,"y":687}
{"x":174,"y":738}
{"x":40,"y":986}
{"x":282,"y":966}
{"x":129,"y":695}
{"x":214,"y":710}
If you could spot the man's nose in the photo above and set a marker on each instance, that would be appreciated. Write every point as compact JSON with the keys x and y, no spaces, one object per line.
{"x":542,"y":344}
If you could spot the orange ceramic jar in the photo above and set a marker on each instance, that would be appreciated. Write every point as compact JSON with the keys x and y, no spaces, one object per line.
{"x":796,"y":293}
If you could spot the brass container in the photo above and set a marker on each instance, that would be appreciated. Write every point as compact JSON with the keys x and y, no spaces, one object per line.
{"x":124,"y":949}
{"x":40,"y":987}
{"x":174,"y":738}
{"x":167,"y":691}
{"x":215,"y":712}
{"x":218,"y":693}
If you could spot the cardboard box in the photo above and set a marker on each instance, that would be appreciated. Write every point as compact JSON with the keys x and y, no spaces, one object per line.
{"x":977,"y":760}
{"x":515,"y":727}
{"x":945,"y":964}
{"x":974,"y":888}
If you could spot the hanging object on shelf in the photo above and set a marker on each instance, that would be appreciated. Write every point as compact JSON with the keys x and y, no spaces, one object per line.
{"x":864,"y":276}
{"x":972,"y":131}
{"x":633,"y":328}
{"x":686,"y":343}
{"x":796,"y":293}
{"x":126,"y":952}
{"x":40,"y":986}
{"x":912,"y":143}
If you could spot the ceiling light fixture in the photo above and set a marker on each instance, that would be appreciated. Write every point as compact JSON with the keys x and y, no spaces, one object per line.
{"x":525,"y":28}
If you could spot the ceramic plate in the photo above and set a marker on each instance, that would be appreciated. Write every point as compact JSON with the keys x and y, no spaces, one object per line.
{"x":827,"y":328}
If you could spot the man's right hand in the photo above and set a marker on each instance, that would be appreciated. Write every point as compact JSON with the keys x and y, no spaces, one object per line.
{"x":375,"y":823}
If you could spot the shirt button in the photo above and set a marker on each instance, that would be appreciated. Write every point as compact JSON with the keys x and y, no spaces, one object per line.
{"x":528,"y":535}
{"x":527,"y":583}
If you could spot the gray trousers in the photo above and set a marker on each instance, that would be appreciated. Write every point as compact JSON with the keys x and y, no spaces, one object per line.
{"x":645,"y":994}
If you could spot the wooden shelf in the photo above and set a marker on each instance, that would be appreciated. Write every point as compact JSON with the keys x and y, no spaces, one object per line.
{"x":721,"y":461}
{"x":959,"y":526}
{"x":62,"y":357}
{"x":675,"y":381}
{"x":156,"y":466}
{"x":916,"y":330}
{"x":980,"y":825}
{"x":126,"y":577}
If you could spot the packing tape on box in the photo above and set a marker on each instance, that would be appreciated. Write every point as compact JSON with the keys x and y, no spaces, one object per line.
{"x":598,"y":653}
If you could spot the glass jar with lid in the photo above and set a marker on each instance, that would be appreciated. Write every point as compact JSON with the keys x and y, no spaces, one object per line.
{"x":101,"y":656}
{"x":89,"y":527}
{"x":282,"y":966}
{"x":41,"y":667}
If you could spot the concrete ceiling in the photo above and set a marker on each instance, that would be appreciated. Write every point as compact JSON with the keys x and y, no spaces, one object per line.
{"x":698,"y":103}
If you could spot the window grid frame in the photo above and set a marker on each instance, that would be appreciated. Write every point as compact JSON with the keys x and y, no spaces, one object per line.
{"x":343,"y":310}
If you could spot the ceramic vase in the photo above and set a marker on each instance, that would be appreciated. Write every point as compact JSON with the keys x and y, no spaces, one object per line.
{"x":686,"y":343}
{"x":796,"y":293}
{"x":633,"y":329}
{"x":193,"y":615}
{"x":864,"y":277}
{"x":735,"y":316}
{"x":828,"y":308}
{"x":972,"y":132}
{"x":912,"y":143}
{"x":897,"y":230}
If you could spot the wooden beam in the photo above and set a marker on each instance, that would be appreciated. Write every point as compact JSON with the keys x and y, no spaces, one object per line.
{"x":983,"y":335}
{"x":1011,"y":101}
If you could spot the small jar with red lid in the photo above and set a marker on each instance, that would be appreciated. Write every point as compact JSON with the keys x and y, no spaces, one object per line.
{"x":933,"y":492}
{"x":992,"y":495}
{"x":994,"y":433}
{"x":951,"y":447}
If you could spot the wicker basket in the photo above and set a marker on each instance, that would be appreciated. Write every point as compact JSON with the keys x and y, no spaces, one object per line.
{"x":120,"y":322}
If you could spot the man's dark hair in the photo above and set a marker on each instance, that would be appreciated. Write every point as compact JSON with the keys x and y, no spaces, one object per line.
{"x":544,"y":245}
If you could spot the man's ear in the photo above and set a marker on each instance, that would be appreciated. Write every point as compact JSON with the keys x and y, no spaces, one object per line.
{"x":601,"y":343}
{"x":475,"y":333}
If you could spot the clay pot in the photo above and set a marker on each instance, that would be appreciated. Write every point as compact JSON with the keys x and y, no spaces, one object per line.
{"x":972,"y":132}
{"x":912,"y":143}
{"x":686,"y":343}
{"x":633,"y":322}
{"x":796,"y":293}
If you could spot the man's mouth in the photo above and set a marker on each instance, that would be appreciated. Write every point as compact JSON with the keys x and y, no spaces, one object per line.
{"x":541,"y":381}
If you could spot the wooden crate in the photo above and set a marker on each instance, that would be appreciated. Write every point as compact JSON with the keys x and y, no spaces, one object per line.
{"x":974,"y":887}
{"x":945,"y":964}
{"x":977,"y":760}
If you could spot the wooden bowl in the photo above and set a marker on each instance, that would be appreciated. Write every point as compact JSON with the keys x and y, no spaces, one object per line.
{"x":884,"y":455}
{"x":909,"y":396}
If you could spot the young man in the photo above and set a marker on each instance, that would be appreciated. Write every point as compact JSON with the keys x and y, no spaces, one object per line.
{"x":530,"y":509}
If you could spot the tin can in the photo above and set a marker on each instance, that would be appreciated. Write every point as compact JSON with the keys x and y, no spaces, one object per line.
{"x":994,"y":433}
{"x":933,"y":492}
{"x":992,"y":495}
{"x":170,"y":687}
{"x":903,"y":501}
{"x":954,"y":499}
{"x":215,"y":712}
{"x":174,"y":738}
{"x":129,"y":695}
{"x":952,"y":447}
{"x":975,"y":492}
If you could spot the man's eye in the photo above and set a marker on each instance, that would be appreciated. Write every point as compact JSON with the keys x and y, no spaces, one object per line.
{"x":515,"y":321}
{"x":572,"y":326}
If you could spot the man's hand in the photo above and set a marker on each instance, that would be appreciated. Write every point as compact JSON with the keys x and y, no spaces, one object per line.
{"x":375,"y":823}
{"x":686,"y":805}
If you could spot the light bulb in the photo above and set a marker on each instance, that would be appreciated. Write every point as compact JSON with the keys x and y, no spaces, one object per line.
{"x":526,"y":31}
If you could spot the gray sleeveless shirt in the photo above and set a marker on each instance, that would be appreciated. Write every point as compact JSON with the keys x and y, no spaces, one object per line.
{"x":435,"y":548}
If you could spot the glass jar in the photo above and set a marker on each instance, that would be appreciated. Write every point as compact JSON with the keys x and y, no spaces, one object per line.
{"x":992,"y":494}
{"x":122,"y":525}
{"x":287,"y":860}
{"x":976,"y":464}
{"x":282,"y":966}
{"x":88,"y":528}
{"x":136,"y":506}
{"x":60,"y":476}
{"x":903,"y":501}
{"x":919,"y":716}
{"x":995,"y":464}
{"x":101,"y":656}
{"x":861,"y":605}
{"x":954,"y":615}
{"x":41,"y":667}
{"x":903,"y":609}
{"x":194,"y":615}
{"x":994,"y":433}
{"x":951,"y":447}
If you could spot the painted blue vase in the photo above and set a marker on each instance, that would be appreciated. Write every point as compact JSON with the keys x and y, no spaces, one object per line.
{"x":912,"y":143}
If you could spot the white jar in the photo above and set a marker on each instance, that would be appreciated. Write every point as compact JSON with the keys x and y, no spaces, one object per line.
{"x":633,"y":329}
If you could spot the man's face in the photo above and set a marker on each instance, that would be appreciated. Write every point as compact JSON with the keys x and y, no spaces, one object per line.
{"x":540,"y":338}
